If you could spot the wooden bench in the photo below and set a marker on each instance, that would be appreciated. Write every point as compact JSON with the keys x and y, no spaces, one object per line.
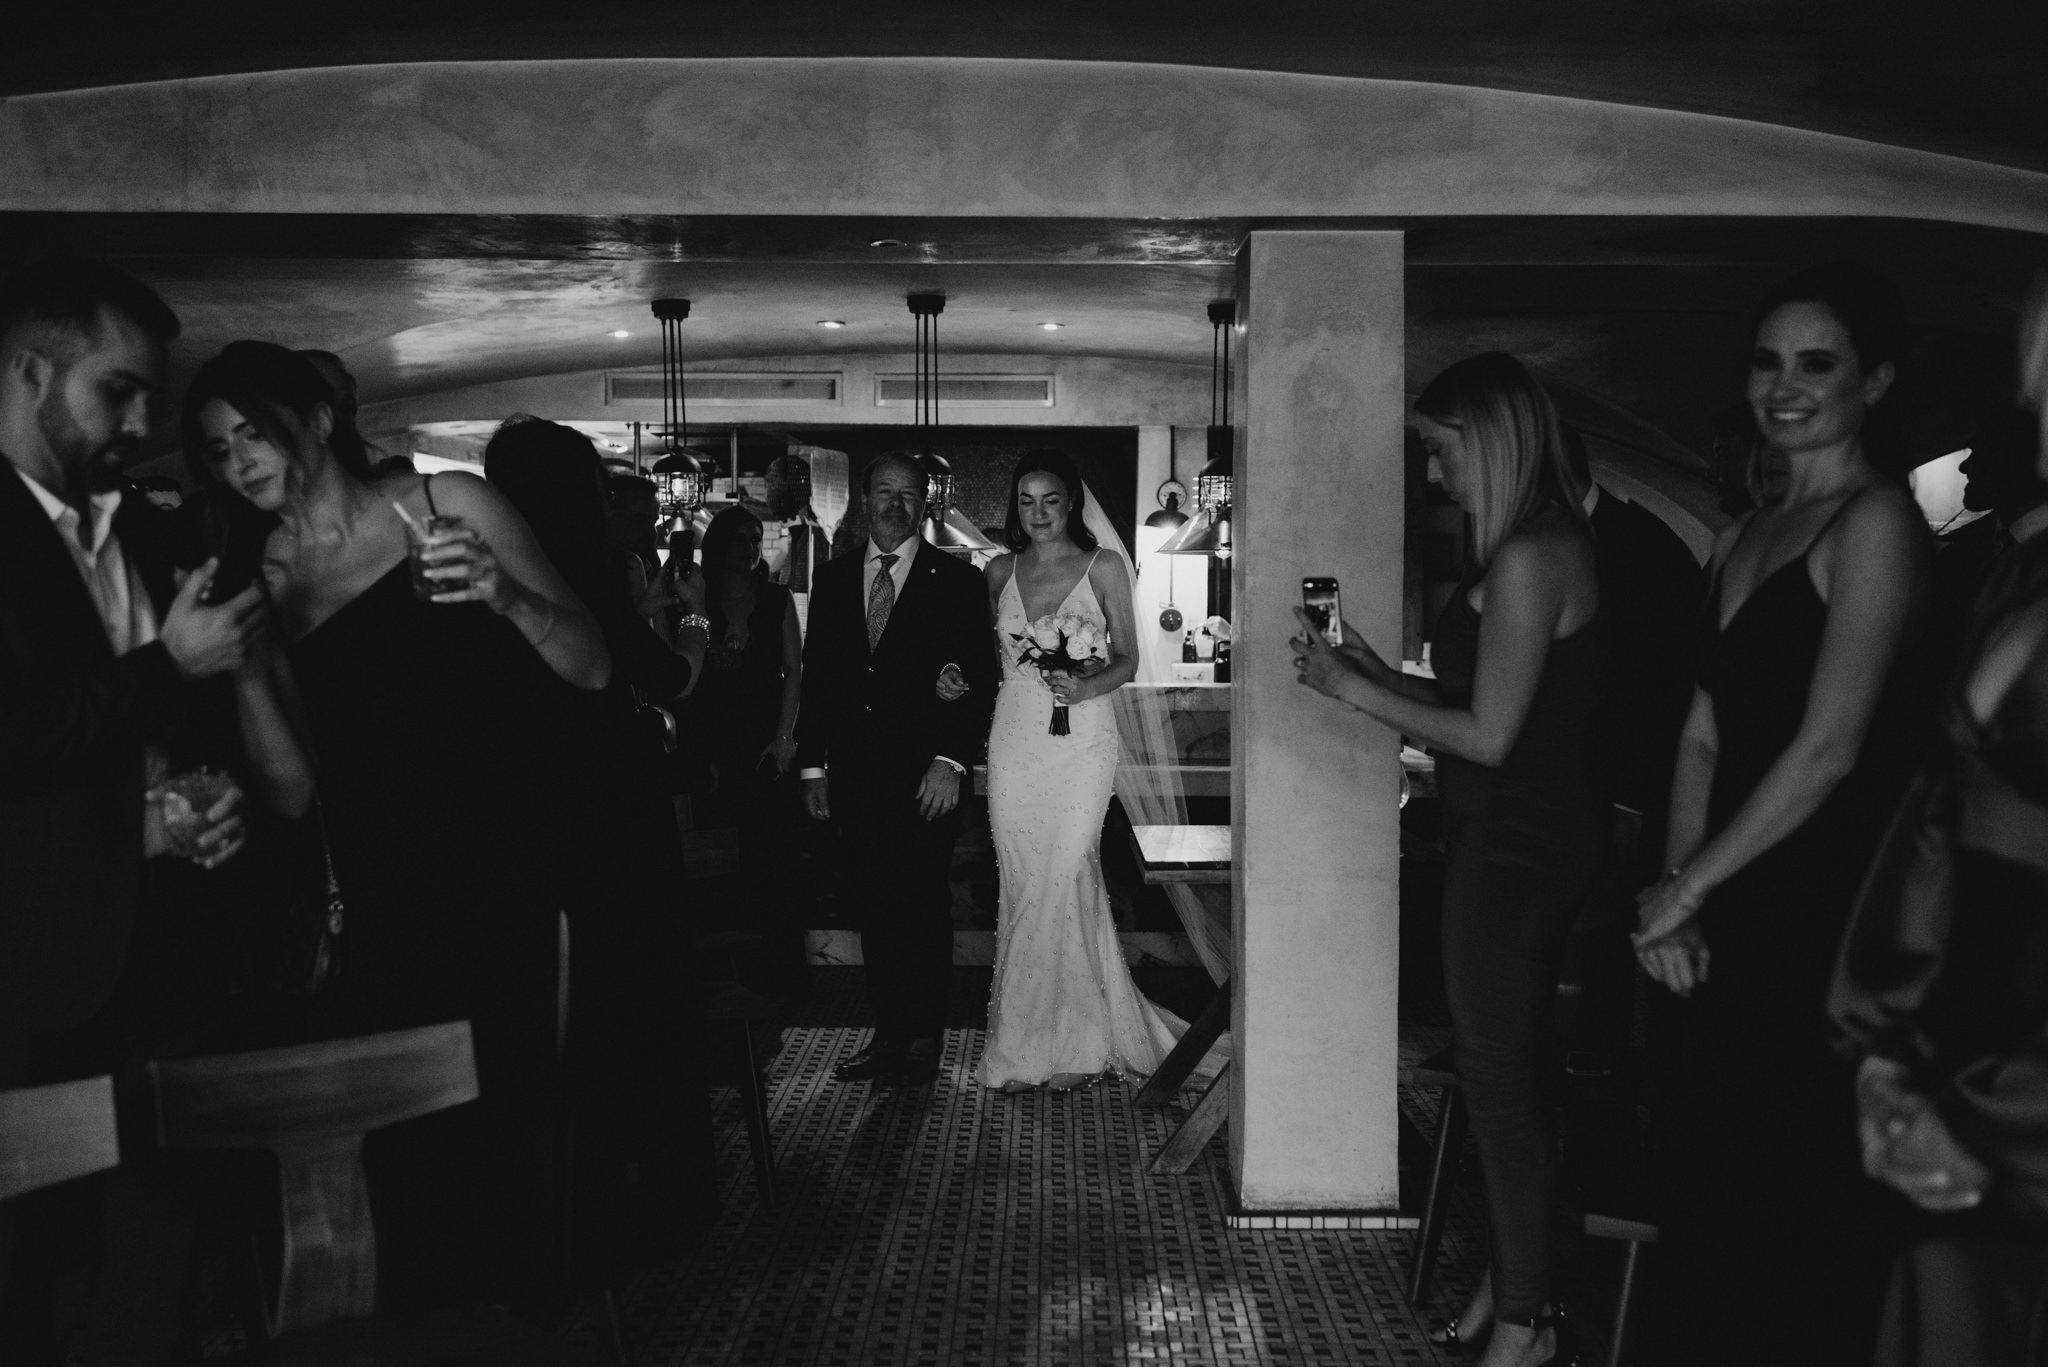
{"x":53,"y":1134}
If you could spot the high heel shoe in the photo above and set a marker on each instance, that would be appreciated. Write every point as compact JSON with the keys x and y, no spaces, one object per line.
{"x":1564,"y":1351}
{"x":1446,"y":1335}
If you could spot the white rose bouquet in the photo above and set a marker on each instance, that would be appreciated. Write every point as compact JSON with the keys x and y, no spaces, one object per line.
{"x":1062,"y":642}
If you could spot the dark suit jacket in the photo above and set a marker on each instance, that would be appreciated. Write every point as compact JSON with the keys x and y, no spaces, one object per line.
{"x":74,"y":721}
{"x":1651,"y":590}
{"x":872,"y":717}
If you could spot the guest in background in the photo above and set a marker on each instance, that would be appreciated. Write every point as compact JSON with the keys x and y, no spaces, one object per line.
{"x":745,"y":712}
{"x":635,"y":507}
{"x":1942,"y":979}
{"x":442,"y":728}
{"x":1650,"y":591}
{"x":104,"y":661}
{"x":1520,"y":655}
{"x":2000,"y":481}
{"x":1797,"y":746}
{"x":643,"y":1124}
{"x":342,"y":385}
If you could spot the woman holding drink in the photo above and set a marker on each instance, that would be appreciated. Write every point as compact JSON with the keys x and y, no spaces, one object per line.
{"x":429,"y":680}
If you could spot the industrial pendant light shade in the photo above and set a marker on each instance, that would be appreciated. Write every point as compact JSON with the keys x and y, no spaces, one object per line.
{"x":1208,"y":533}
{"x":943,"y":527}
{"x":683,"y":477}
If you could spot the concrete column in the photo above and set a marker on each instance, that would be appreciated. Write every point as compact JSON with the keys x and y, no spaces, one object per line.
{"x":1314,"y":786}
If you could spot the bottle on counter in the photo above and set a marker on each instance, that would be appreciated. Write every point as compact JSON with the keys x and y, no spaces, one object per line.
{"x":1205,"y":645}
{"x":1187,"y":647}
{"x":1223,"y":662}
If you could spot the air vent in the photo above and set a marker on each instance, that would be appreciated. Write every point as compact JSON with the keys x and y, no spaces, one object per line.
{"x":968,"y":391}
{"x":727,"y":389}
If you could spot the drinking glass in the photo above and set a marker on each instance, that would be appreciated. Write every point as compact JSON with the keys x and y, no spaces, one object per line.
{"x":419,"y":535}
{"x":186,"y":799}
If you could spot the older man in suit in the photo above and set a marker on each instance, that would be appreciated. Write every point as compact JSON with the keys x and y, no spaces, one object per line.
{"x":885,"y":622}
{"x":99,"y":650}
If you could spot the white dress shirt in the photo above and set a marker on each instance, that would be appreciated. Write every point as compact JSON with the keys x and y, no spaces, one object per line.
{"x":123,"y":603}
{"x":120,"y":597}
{"x":870,"y":566}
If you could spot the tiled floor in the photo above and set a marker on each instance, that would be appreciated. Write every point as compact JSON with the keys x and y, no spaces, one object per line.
{"x":953,"y":1225}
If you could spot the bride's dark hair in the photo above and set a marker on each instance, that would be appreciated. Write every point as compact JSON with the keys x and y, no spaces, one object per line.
{"x":1047,"y":460}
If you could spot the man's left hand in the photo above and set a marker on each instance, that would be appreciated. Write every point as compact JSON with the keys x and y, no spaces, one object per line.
{"x":939,"y":792}
{"x":219,"y":839}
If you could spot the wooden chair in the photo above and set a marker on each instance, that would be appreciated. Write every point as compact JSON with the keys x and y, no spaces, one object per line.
{"x":1439,"y":1072}
{"x":53,"y":1134}
{"x":748,"y":1016}
{"x":311,"y":1106}
{"x":1635,"y":1233}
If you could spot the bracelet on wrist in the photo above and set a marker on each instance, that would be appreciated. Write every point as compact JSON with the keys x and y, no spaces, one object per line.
{"x":697,"y":620}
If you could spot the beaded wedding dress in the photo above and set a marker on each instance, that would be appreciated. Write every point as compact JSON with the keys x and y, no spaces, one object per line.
{"x":1063,"y":1000}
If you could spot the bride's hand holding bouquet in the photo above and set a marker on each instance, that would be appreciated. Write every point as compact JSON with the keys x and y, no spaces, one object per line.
{"x":1068,"y":651}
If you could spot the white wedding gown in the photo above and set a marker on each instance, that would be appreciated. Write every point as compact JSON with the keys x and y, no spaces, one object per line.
{"x":1063,"y":1000}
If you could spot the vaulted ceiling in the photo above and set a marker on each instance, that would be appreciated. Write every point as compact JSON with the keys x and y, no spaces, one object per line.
{"x":1638,"y":320}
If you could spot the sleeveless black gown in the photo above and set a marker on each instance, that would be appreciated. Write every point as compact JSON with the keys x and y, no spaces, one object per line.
{"x":1773,"y":1245}
{"x":1523,"y":843}
{"x":449,"y":786}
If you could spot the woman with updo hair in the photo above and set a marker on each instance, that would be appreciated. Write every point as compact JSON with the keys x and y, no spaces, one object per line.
{"x":437,"y":724}
{"x":1798,"y":744}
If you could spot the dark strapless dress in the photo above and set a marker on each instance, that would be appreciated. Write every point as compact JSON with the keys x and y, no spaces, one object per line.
{"x":1773,"y":1244}
{"x":1523,"y":843}
{"x":449,"y":789}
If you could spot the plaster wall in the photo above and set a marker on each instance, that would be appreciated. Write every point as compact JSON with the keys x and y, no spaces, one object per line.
{"x":937,"y":136}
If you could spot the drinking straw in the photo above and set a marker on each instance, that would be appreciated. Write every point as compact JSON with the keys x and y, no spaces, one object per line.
{"x":412,"y":523}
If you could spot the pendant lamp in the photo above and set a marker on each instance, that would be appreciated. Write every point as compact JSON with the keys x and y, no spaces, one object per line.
{"x":683,"y":477}
{"x":943,"y":527}
{"x":1208,"y":532}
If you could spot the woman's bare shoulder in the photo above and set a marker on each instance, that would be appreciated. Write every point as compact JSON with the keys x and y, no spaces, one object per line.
{"x":1001,"y":568}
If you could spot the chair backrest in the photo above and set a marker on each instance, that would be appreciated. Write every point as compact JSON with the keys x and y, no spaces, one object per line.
{"x":311,"y":1105}
{"x":313,"y":1094}
{"x":53,"y":1134}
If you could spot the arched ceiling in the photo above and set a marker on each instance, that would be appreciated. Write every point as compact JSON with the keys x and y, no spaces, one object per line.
{"x":1638,"y":321}
{"x":1961,"y":76}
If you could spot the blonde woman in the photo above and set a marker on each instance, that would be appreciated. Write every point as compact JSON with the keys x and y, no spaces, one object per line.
{"x":1520,"y":657}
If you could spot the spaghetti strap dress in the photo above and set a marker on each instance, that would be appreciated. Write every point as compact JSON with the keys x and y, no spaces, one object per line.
{"x":449,"y":788}
{"x":1766,"y":1217}
{"x":1523,"y":843}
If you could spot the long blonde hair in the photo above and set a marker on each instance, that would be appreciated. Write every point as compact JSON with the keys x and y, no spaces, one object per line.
{"x":1512,"y":432}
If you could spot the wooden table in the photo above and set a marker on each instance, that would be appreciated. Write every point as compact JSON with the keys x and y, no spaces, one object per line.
{"x":1183,"y":854}
{"x":1188,"y":854}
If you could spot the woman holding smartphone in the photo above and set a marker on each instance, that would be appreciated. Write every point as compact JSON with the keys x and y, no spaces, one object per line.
{"x":1520,"y":655}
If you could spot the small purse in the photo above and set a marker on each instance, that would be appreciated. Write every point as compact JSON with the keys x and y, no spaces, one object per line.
{"x":323,"y":963}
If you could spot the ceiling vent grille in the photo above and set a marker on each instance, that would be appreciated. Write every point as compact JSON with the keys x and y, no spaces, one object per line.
{"x":726,"y":389}
{"x":968,"y":391}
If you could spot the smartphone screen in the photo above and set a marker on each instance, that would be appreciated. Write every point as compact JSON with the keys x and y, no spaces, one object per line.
{"x":1319,"y":598}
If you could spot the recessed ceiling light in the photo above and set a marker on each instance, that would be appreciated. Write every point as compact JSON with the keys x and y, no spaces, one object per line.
{"x":621,"y":333}
{"x":1052,"y":327}
{"x":888,"y":242}
{"x":831,"y":322}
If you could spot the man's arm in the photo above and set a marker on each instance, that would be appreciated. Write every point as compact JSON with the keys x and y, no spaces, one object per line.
{"x":48,"y":731}
{"x":964,"y":724}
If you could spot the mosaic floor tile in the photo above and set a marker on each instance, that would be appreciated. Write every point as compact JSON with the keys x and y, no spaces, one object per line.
{"x":951,"y":1225}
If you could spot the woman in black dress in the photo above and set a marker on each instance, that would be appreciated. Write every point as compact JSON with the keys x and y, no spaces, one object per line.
{"x":1520,"y":655}
{"x":1942,"y":978}
{"x":643,"y":1159}
{"x":744,"y":715}
{"x":1796,"y":749}
{"x":441,"y":733}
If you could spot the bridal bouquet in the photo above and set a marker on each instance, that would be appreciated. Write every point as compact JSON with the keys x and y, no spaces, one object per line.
{"x":1062,"y":641}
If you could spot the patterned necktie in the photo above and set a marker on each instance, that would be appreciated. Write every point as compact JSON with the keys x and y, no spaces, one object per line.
{"x":881,"y":598}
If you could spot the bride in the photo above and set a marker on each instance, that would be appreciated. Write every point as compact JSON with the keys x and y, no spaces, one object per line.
{"x":1064,"y":1010}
